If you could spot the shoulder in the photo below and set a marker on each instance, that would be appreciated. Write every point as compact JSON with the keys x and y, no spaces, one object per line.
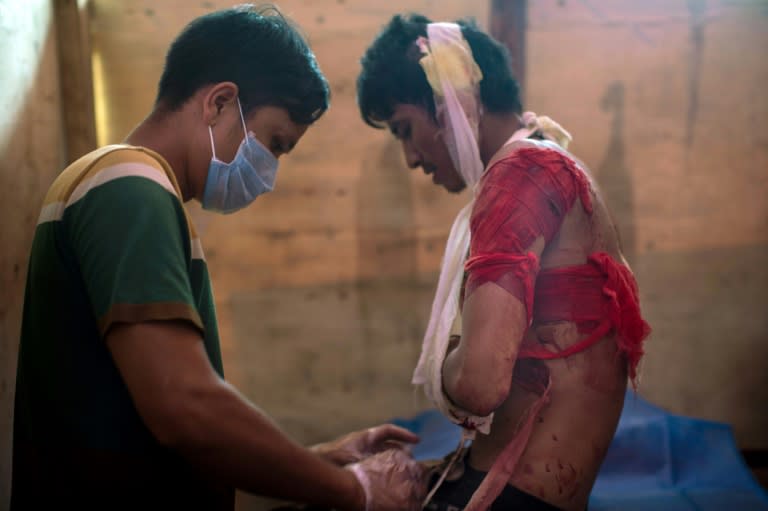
{"x":118,"y":187}
{"x":123,"y":174}
{"x":94,"y":175}
{"x":536,"y":172}
{"x":107,"y":164}
{"x":523,"y":156}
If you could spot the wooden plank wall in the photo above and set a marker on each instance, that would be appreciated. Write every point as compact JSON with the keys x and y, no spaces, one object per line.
{"x":324,"y":285}
{"x":666,"y":103}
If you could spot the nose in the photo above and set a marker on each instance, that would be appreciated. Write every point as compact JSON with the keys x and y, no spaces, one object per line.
{"x":412,"y":156}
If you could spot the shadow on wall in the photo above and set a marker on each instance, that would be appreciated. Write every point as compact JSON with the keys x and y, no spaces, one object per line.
{"x":613,"y":173}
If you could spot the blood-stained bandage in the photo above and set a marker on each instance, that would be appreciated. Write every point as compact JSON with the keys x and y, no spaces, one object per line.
{"x":523,"y":197}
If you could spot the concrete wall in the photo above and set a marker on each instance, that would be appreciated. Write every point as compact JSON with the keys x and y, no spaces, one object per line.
{"x":31,"y":154}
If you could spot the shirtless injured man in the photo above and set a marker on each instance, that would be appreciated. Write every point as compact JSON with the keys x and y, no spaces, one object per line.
{"x":535,"y":329}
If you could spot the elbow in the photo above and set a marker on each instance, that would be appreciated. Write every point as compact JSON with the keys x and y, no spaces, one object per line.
{"x":180,"y":421}
{"x":477,"y":393}
{"x":486,"y":403}
{"x":171,"y":427}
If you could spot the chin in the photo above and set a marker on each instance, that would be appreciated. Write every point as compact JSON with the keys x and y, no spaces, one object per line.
{"x":455,"y":187}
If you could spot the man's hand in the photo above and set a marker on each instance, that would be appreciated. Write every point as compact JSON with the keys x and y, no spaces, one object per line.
{"x":392,"y":481}
{"x":359,"y":445}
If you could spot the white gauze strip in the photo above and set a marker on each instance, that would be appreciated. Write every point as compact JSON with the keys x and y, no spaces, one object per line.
{"x":454,"y":76}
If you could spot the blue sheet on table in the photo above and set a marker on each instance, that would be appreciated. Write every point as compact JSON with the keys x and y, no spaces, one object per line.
{"x":656,"y":461}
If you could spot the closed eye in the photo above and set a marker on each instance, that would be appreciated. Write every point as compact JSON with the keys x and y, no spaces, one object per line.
{"x":401,"y":130}
{"x":281,"y":146}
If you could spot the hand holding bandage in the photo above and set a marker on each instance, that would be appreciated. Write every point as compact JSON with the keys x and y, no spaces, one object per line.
{"x":358,"y":445}
{"x":392,"y":481}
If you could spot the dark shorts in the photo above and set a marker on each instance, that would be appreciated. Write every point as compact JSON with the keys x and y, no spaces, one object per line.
{"x":454,"y":495}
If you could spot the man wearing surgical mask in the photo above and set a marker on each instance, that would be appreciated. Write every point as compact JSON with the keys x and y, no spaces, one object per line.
{"x":120,"y":396}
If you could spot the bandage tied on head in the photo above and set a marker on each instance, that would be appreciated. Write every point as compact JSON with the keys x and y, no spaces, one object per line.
{"x":454,"y":77}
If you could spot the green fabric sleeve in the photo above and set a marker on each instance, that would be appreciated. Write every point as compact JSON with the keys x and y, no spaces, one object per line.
{"x":131,"y":241}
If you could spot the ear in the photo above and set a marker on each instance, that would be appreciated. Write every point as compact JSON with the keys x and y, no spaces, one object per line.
{"x":216,"y":98}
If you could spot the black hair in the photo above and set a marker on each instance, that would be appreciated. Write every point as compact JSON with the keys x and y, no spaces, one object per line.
{"x":259,"y":50}
{"x":391,"y":73}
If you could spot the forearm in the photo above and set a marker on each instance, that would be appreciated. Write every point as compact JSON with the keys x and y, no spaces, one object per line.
{"x":190,"y":409}
{"x":477,"y":370}
{"x":236,"y":442}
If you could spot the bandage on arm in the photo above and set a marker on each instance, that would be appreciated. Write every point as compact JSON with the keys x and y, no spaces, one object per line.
{"x":520,"y":206}
{"x":523,"y":198}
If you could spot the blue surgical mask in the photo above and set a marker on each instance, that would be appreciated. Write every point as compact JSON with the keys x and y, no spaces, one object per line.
{"x":232,"y":186}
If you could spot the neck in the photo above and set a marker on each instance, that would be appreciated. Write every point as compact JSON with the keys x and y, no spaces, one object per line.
{"x":161,"y":132}
{"x":494,"y":131}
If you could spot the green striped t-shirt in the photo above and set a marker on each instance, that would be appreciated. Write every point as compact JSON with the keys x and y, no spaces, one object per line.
{"x":113,"y":244}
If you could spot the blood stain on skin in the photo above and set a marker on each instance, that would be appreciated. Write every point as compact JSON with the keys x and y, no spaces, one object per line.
{"x":546,"y":467}
{"x":554,"y":437}
{"x":568,"y":476}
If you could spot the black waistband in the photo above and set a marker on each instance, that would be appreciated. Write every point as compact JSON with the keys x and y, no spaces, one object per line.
{"x":454,"y":495}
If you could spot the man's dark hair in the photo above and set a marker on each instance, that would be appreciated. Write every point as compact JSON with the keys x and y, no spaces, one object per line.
{"x":392,"y":75}
{"x":258,"y":49}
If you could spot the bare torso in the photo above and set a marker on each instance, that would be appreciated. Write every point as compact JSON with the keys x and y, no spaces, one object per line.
{"x":569,"y":442}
